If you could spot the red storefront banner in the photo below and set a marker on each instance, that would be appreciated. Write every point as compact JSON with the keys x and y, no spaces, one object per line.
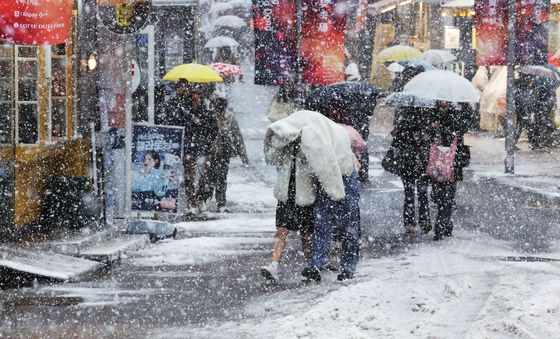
{"x":491,"y":21}
{"x":531,"y":30}
{"x":322,"y":41}
{"x":35,"y":22}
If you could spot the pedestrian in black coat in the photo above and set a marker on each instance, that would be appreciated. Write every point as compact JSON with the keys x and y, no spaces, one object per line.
{"x":410,"y":147}
{"x":190,"y":108}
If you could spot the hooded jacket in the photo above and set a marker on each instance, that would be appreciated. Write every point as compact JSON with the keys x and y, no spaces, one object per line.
{"x":324,"y":154}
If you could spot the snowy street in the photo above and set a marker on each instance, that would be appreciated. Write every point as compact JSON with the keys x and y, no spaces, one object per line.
{"x":480,"y":283}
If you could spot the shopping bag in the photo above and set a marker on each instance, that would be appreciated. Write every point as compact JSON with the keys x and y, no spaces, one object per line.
{"x":441,"y":161}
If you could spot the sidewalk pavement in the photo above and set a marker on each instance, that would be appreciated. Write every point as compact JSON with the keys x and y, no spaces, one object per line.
{"x":536,"y":171}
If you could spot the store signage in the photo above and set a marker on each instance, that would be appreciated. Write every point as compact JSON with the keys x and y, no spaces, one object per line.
{"x":124,"y":16}
{"x":35,"y":22}
{"x":274,"y":25}
{"x":323,"y":41}
{"x":531,"y":32}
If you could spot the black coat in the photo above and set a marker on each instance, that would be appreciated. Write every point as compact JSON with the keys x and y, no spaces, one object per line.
{"x":201,"y":127}
{"x":412,"y":137}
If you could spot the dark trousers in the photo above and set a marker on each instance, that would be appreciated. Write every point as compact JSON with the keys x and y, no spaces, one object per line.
{"x":340,"y":219}
{"x":411,"y":187}
{"x":363,"y":173}
{"x":214,"y":180}
{"x":443,"y":194}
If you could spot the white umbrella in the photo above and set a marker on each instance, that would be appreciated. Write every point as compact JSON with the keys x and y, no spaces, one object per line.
{"x":439,"y":56}
{"x":240,"y":3}
{"x":221,"y":7}
{"x":221,"y":41}
{"x":229,"y":21}
{"x":395,"y":67}
{"x":442,"y":85}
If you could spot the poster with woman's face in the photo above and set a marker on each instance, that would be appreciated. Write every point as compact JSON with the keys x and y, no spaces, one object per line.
{"x":157,"y":153}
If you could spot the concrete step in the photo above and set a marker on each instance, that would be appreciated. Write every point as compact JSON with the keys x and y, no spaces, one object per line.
{"x":112,"y":250}
{"x":74,"y":243}
{"x":22,"y":265}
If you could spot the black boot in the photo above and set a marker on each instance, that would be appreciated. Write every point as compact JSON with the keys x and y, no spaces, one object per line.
{"x":311,"y":274}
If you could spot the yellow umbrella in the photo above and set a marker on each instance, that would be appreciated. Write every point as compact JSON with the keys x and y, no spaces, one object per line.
{"x":398,"y":53}
{"x":193,"y":73}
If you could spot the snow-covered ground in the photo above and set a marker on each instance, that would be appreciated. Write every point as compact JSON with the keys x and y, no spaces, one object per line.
{"x":464,"y":287}
{"x":469,"y":286}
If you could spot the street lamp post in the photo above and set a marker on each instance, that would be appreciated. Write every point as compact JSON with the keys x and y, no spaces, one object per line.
{"x":510,"y":138}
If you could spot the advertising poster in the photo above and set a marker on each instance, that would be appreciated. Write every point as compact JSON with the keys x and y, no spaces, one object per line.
{"x":35,"y":22}
{"x":323,"y":41}
{"x":491,"y":21}
{"x":531,"y":30}
{"x":157,"y":153}
{"x":274,"y":23}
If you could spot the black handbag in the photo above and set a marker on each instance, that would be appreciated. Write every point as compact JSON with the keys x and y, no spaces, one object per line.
{"x":391,"y":162}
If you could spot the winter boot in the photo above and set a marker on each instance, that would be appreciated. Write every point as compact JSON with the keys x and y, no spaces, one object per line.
{"x":270,"y":272}
{"x":345,"y":276}
{"x":311,"y":274}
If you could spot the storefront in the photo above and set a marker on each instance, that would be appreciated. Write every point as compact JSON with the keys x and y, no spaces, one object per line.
{"x":38,"y":125}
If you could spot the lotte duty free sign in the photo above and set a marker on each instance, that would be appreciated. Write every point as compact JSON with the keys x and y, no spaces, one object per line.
{"x":35,"y":22}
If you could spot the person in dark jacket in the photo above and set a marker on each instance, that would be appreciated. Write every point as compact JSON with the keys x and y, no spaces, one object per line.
{"x":228,"y":144}
{"x":411,"y":144}
{"x":449,"y":123}
{"x":191,"y":109}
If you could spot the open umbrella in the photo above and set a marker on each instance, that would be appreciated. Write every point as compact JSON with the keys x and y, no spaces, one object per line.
{"x":398,"y":53}
{"x":221,"y":7}
{"x":221,"y":41}
{"x":229,"y":21}
{"x":400,"y":99}
{"x":352,"y":98}
{"x":442,"y":85}
{"x":240,"y":3}
{"x":399,"y":66}
{"x":226,"y":70}
{"x":193,"y":73}
{"x":548,"y":72}
{"x":439,"y":56}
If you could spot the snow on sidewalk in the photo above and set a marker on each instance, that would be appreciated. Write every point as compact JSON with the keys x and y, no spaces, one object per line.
{"x":459,"y":288}
{"x":237,"y":233}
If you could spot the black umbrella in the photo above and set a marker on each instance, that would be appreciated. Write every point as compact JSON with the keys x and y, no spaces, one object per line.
{"x":345,"y":101}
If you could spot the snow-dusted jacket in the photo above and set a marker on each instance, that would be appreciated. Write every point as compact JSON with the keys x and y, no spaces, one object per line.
{"x":324,"y":154}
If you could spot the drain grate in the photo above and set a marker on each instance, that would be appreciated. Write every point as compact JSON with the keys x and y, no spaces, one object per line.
{"x":526,"y":259}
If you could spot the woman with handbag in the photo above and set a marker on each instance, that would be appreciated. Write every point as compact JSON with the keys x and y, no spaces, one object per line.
{"x":407,"y":157}
{"x":450,"y":125}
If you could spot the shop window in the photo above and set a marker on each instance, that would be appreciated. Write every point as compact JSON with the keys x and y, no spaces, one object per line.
{"x":6,"y":88}
{"x":59,"y":99}
{"x":27,"y":123}
{"x":26,"y":95}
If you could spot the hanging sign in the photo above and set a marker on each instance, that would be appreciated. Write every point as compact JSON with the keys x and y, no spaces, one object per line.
{"x":35,"y":22}
{"x":124,"y":16}
{"x":531,"y":32}
{"x":274,"y":23}
{"x":323,"y":41}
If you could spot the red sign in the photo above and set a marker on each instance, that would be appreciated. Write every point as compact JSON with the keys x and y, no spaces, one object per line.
{"x":35,"y":22}
{"x":531,"y":33}
{"x":322,"y":41}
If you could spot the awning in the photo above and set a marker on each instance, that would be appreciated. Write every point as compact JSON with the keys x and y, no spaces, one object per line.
{"x":388,"y":5}
{"x":382,"y":6}
{"x":459,"y":3}
{"x":174,"y":3}
{"x":470,"y":3}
